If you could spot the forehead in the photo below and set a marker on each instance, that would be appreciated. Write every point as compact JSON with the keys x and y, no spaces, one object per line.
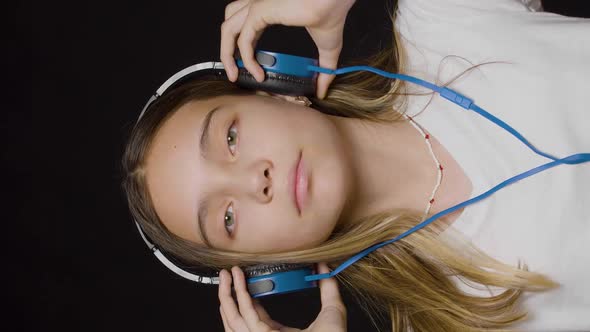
{"x":172,"y":164}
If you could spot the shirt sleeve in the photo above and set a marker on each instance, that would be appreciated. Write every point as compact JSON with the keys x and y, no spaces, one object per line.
{"x":459,"y":7}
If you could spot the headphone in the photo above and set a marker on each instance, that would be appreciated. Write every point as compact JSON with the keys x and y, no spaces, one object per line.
{"x":293,"y":75}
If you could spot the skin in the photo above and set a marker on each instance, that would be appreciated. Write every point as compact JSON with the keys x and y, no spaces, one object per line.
{"x":357,"y":168}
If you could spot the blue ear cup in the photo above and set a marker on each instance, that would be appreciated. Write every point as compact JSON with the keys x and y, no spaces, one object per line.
{"x":270,"y":279}
{"x":284,"y":74}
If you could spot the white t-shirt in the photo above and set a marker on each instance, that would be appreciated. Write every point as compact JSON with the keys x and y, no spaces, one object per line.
{"x":544,"y":94}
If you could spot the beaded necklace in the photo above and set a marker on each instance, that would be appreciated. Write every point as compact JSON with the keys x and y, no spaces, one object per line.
{"x":438,"y":164}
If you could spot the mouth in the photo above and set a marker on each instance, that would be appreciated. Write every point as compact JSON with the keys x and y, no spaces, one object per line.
{"x":298,"y":184}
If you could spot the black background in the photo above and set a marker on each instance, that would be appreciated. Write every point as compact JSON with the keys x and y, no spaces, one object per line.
{"x":81,"y":263}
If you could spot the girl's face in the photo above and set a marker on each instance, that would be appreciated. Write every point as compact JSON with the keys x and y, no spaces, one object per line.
{"x":254,"y":143}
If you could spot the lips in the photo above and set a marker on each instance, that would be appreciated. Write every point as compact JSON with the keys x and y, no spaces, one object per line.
{"x":302,"y":184}
{"x":294,"y":180}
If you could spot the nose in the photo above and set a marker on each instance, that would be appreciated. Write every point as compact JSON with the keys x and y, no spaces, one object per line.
{"x":254,"y":181}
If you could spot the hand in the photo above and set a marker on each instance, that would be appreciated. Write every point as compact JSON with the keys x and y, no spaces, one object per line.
{"x":323,"y":20}
{"x":252,"y":317}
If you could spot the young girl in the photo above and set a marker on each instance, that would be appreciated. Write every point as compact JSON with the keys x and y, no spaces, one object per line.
{"x":377,"y":157}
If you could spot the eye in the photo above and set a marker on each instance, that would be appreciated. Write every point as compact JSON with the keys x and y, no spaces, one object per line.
{"x":229,"y":219}
{"x":232,"y":138}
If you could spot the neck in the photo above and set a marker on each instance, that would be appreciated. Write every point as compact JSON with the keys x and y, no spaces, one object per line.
{"x":391,"y":167}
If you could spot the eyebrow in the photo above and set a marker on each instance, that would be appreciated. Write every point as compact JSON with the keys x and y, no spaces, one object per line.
{"x":205,"y":128}
{"x":204,"y":145}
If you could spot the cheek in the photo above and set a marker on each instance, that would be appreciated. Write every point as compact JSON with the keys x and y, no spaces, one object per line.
{"x":285,"y":234}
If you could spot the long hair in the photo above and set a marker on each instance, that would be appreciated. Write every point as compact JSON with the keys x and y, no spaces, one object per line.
{"x":408,"y":281}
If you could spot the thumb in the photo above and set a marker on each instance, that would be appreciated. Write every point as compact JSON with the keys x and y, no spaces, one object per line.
{"x":332,"y":316}
{"x":328,"y":59}
{"x":330,"y":294}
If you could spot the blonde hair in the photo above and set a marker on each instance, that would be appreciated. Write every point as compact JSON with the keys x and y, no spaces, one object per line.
{"x":408,"y":280}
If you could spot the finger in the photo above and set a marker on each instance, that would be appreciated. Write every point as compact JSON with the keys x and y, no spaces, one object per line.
{"x":264,"y":316}
{"x":245,"y":301}
{"x":230,"y":28}
{"x":327,"y":59}
{"x":249,"y":35}
{"x":226,"y":327}
{"x":330,"y":294}
{"x":233,"y":317}
{"x":233,"y":7}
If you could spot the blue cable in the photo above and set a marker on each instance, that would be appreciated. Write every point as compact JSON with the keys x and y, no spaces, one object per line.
{"x":468,"y":104}
{"x":447,"y":93}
